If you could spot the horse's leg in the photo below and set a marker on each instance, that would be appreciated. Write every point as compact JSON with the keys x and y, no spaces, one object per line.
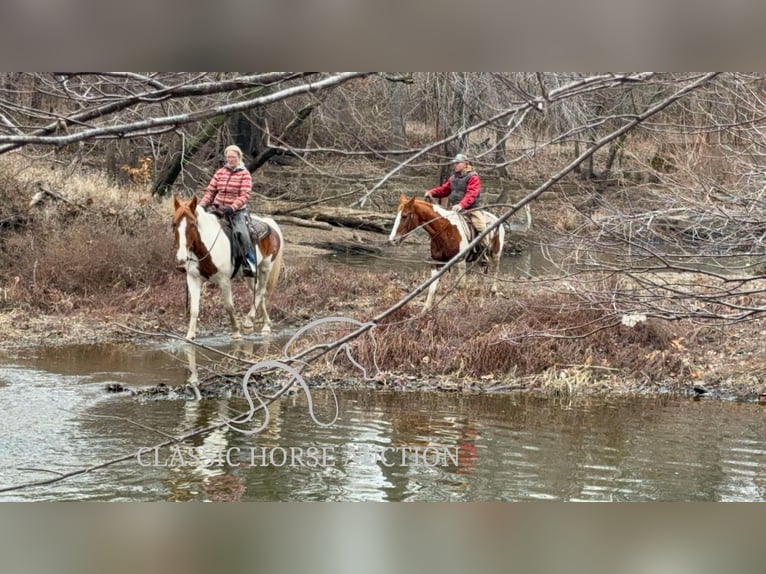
{"x":496,"y":253}
{"x":258,"y":289}
{"x":194,"y":285}
{"x":431,"y":290}
{"x":266,"y":319}
{"x":250,"y":317}
{"x":495,"y":263}
{"x":191,"y":365}
{"x":260,"y":296}
{"x":228,"y":303}
{"x":462,"y":273}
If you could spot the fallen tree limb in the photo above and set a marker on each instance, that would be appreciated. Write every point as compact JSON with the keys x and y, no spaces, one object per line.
{"x":44,"y":191}
{"x":335,"y":216}
{"x":345,"y":217}
{"x":302,"y":222}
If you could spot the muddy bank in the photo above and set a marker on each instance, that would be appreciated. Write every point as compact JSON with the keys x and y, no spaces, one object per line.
{"x":729,"y":365}
{"x":224,"y":386}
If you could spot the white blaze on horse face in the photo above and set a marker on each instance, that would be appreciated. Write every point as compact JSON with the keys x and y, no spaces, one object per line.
{"x":397,"y":221}
{"x":182,"y":251}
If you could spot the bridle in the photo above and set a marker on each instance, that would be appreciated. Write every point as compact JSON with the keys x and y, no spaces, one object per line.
{"x":191,"y":222}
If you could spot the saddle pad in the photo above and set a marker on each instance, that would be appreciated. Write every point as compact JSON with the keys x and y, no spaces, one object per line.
{"x":259,"y":229}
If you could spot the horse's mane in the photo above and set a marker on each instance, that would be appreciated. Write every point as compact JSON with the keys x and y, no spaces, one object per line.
{"x":438,"y":209}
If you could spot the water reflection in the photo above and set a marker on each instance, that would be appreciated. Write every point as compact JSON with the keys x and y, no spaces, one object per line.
{"x":192,"y":376}
{"x":535,"y":450}
{"x":57,"y":417}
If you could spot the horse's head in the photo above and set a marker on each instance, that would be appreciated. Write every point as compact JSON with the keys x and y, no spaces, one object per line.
{"x":186,"y":237}
{"x":407,"y":219}
{"x":194,"y":233}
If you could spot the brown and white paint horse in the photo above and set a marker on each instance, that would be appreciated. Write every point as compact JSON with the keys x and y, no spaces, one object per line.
{"x":449,"y":233}
{"x":204,"y":251}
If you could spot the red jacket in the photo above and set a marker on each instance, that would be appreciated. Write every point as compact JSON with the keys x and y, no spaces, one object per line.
{"x":472,"y":191}
{"x":228,"y":187}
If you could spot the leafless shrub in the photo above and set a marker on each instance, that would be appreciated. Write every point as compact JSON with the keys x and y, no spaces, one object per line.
{"x":479,"y":336}
{"x":88,"y":257}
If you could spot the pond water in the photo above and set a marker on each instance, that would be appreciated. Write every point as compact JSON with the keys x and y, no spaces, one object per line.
{"x":384,"y":446}
{"x":533,"y":261}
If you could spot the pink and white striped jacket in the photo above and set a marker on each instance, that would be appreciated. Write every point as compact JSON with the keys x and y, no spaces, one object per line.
{"x":228,"y":187}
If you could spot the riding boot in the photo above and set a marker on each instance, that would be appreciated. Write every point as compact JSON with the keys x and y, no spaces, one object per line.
{"x":250,"y":265}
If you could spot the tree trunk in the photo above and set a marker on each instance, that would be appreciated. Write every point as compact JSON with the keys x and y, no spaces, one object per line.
{"x":577,"y":169}
{"x":242,"y":134}
{"x":504,"y":172}
{"x":397,"y":106}
{"x":614,"y":148}
{"x":270,"y":152}
{"x":209,"y":129}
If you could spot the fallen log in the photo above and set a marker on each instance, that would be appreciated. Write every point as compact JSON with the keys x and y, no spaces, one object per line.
{"x":349,"y":248}
{"x":45,"y":192}
{"x":302,"y":222}
{"x":332,"y":215}
{"x":364,"y":222}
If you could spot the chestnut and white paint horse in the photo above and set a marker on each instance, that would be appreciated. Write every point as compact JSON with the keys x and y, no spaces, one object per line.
{"x":204,"y":251}
{"x":450,"y":234}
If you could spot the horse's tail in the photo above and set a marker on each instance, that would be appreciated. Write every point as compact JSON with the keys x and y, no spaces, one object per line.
{"x":276,"y":265}
{"x":499,"y":235}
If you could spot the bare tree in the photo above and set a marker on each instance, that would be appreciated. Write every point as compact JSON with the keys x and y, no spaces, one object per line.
{"x":64,"y":109}
{"x":676,"y":212}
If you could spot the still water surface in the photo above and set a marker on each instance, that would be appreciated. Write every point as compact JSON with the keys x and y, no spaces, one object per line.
{"x":56,"y":416}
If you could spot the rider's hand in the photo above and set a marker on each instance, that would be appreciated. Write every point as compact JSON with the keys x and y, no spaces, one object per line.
{"x":228,"y":211}
{"x":457,"y":208}
{"x":427,"y":194}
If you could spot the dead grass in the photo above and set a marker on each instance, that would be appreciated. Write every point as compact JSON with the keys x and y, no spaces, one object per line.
{"x":88,"y":256}
{"x":478,"y":336}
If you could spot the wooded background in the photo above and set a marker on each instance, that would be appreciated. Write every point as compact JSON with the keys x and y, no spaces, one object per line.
{"x":662,"y":172}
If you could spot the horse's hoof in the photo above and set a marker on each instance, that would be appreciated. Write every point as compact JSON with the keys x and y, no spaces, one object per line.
{"x":236,"y":336}
{"x":266,"y":331}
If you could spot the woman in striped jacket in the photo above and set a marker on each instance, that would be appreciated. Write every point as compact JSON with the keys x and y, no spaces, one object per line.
{"x":227,"y":193}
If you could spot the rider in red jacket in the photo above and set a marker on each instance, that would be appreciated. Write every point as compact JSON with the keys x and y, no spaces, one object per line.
{"x":463,"y":188}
